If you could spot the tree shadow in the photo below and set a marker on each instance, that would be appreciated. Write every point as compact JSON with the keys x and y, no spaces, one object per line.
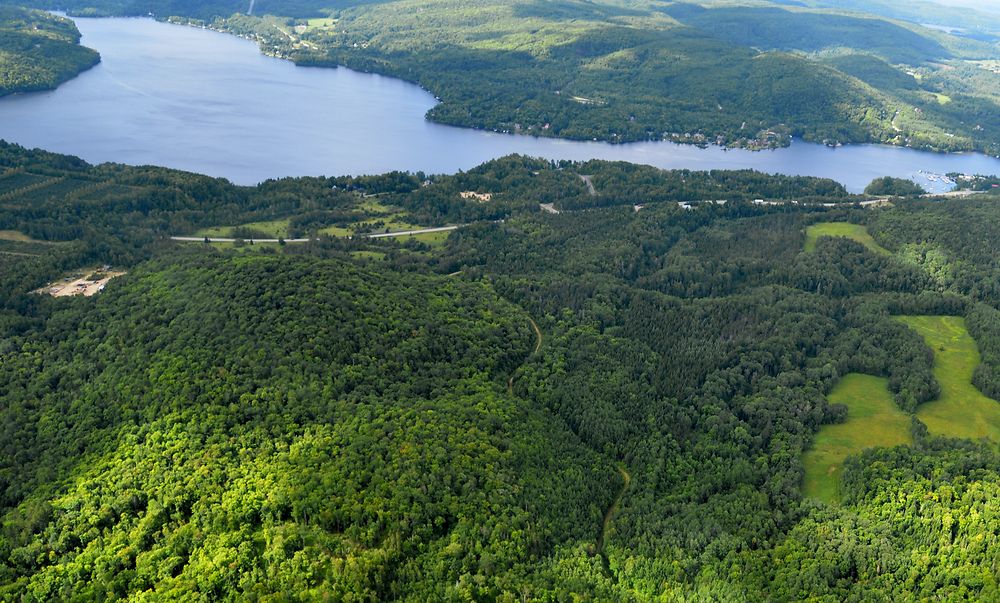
{"x":779,"y":29}
{"x":565,"y":10}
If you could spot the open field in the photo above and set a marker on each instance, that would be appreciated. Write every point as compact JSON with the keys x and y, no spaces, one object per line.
{"x":855,"y":232}
{"x":370,"y":211}
{"x":962,"y":411}
{"x":376,"y":256}
{"x":372,"y":206}
{"x":390,"y":224}
{"x":336,"y":231}
{"x":13,"y":235}
{"x":942,"y":99}
{"x":275,"y":229}
{"x":873,"y":419}
{"x":434,"y":239}
{"x":320,"y":23}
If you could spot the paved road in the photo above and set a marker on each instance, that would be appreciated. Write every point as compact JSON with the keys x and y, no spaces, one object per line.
{"x":953,"y":194}
{"x":225,"y":240}
{"x":381,"y":235}
{"x":404,"y":233}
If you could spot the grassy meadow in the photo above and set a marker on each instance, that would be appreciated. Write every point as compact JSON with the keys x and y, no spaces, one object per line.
{"x":14,"y":235}
{"x":873,"y":419}
{"x":855,"y":232}
{"x":274,"y":229}
{"x":961,"y":410}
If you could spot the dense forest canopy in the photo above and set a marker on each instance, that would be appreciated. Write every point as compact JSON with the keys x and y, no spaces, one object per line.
{"x":609,"y":403}
{"x":899,"y":187}
{"x":745,"y":74}
{"x":39,"y":51}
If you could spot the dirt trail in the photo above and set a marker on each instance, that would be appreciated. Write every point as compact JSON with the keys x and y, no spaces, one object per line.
{"x":538,"y":347}
{"x":538,"y":336}
{"x":26,"y":255}
{"x":609,"y":516}
{"x":590,"y":185}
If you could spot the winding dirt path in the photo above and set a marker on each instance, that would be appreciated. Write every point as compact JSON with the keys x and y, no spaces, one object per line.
{"x":538,"y":336}
{"x":609,"y":515}
{"x":538,"y":346}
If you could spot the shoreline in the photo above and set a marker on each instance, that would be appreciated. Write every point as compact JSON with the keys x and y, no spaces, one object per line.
{"x":701,"y":140}
{"x":417,"y":140}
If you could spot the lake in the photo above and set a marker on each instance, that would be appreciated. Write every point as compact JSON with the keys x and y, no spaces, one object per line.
{"x":208,"y":102}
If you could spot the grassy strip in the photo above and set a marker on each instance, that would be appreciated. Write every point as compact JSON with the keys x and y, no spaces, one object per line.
{"x":873,"y":419}
{"x":855,"y":232}
{"x":275,"y":229}
{"x":962,"y":411}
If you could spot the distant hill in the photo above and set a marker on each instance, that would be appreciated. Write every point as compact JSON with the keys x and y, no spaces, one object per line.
{"x":781,"y":29}
{"x":718,"y":73}
{"x":975,"y":15}
{"x":39,"y":51}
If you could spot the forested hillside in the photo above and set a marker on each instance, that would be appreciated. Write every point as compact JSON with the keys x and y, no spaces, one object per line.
{"x":39,"y":51}
{"x":267,"y":426}
{"x":611,"y":403}
{"x":968,"y":18}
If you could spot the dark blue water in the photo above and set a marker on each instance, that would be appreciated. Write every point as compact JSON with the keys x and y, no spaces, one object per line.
{"x":208,"y":102}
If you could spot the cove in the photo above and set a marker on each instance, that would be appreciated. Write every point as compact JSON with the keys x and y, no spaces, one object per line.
{"x":208,"y":102}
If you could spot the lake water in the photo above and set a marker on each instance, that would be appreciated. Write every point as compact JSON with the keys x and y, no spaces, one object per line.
{"x":208,"y":102}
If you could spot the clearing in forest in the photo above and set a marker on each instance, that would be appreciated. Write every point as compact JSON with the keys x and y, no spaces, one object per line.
{"x":274,"y":229}
{"x":961,"y":411}
{"x":855,"y":232}
{"x":13,"y":235}
{"x":873,"y":419}
{"x":85,"y":283}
